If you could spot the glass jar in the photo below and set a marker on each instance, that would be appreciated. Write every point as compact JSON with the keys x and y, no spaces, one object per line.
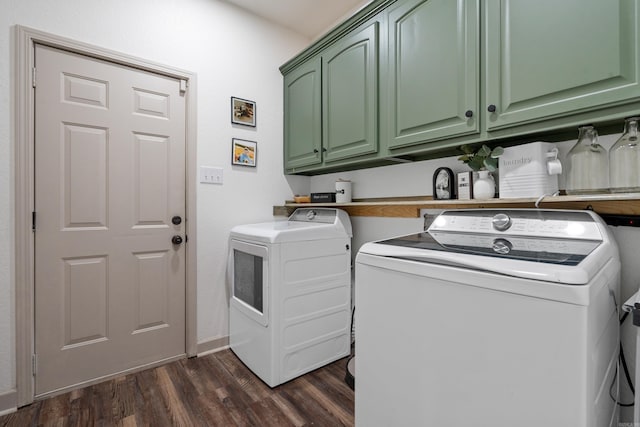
{"x":624,"y":159}
{"x":587,"y":164}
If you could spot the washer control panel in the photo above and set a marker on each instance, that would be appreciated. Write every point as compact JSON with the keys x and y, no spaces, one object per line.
{"x":317,"y":215}
{"x":501,"y":222}
{"x":520,"y":222}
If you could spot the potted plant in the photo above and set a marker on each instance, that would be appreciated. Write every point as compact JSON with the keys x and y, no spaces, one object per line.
{"x":483,"y":160}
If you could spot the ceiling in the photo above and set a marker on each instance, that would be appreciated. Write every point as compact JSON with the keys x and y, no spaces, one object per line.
{"x":310,"y":18}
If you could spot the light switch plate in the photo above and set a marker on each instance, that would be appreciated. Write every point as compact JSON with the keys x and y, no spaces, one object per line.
{"x":211,"y":175}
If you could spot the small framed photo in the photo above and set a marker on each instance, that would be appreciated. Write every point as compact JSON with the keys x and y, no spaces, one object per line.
{"x":465,"y":185}
{"x":443,"y":184}
{"x":244,"y":153}
{"x":243,"y":112}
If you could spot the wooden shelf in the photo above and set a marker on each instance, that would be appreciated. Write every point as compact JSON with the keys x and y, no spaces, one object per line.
{"x":409,"y":207}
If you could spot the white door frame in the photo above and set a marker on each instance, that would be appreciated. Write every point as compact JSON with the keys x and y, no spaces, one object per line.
{"x":24,"y":120}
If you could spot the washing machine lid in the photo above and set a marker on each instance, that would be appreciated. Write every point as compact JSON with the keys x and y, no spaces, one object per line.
{"x":304,"y":224}
{"x":557,"y":246}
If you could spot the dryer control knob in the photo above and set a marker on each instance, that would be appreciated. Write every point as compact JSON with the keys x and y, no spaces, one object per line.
{"x":501,"y":222}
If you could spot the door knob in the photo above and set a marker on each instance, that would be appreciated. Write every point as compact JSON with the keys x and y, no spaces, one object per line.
{"x":176,"y":220}
{"x":176,"y":240}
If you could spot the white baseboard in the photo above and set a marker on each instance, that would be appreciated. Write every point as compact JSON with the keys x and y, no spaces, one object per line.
{"x":8,"y":402}
{"x":212,"y":346}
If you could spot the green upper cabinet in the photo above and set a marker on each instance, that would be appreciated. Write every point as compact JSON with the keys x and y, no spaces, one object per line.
{"x":548,"y":58}
{"x":408,"y":80}
{"x":431,"y":87}
{"x":302,"y":112}
{"x":350,"y":95}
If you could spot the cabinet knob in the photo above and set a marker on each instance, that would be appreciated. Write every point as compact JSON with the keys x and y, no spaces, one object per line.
{"x":491,"y":108}
{"x":468,"y":114}
{"x":324,"y":150}
{"x":315,"y":150}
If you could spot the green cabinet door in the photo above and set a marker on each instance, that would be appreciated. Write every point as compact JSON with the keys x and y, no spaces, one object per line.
{"x":548,"y":58}
{"x":350,"y":96}
{"x":432,"y":83}
{"x":302,"y":116}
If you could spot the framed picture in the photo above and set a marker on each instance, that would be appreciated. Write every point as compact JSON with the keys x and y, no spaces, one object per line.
{"x":244,"y":153}
{"x":243,"y":112}
{"x":443,"y":184}
{"x":465,"y":185}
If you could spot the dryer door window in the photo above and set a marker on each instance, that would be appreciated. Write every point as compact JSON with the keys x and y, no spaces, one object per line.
{"x":247,"y":279}
{"x":250,"y":273}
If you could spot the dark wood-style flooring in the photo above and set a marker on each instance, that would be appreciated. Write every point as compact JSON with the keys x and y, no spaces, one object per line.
{"x":214,"y":390}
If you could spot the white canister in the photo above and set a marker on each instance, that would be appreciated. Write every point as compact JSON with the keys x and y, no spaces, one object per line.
{"x":343,"y":191}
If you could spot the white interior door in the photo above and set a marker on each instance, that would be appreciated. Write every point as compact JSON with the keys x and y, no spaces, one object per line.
{"x":110,"y":176}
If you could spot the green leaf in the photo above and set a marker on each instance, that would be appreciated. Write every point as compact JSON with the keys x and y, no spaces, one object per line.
{"x":497,"y":152}
{"x":491,"y":164}
{"x":467,"y":149}
{"x":476,"y":163}
{"x":465,"y":158}
{"x":484,"y":151}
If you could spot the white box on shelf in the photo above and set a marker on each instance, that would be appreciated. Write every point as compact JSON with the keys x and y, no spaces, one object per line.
{"x":529,"y":170}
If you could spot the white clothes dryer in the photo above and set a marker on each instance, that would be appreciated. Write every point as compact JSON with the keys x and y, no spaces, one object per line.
{"x":494,"y":318}
{"x":290,"y":306}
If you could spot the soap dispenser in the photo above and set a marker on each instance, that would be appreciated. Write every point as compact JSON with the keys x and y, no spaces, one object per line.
{"x":624,"y":159}
{"x":588,"y":164}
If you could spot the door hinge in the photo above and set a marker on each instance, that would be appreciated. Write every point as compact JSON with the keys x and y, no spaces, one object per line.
{"x":33,"y":221}
{"x":34,"y":364}
{"x":33,"y":77}
{"x":183,"y":86}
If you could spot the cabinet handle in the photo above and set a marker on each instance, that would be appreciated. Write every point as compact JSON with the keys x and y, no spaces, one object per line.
{"x":491,"y":108}
{"x":468,"y":114}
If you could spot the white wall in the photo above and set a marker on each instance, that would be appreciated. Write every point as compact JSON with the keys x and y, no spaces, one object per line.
{"x":415,"y":179}
{"x":233,"y":54}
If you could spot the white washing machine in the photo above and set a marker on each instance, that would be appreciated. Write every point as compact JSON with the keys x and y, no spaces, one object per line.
{"x":491,"y":318}
{"x":632,"y":305}
{"x":291,"y":293}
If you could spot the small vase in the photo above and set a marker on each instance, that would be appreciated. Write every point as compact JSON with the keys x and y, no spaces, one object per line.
{"x":484,"y":187}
